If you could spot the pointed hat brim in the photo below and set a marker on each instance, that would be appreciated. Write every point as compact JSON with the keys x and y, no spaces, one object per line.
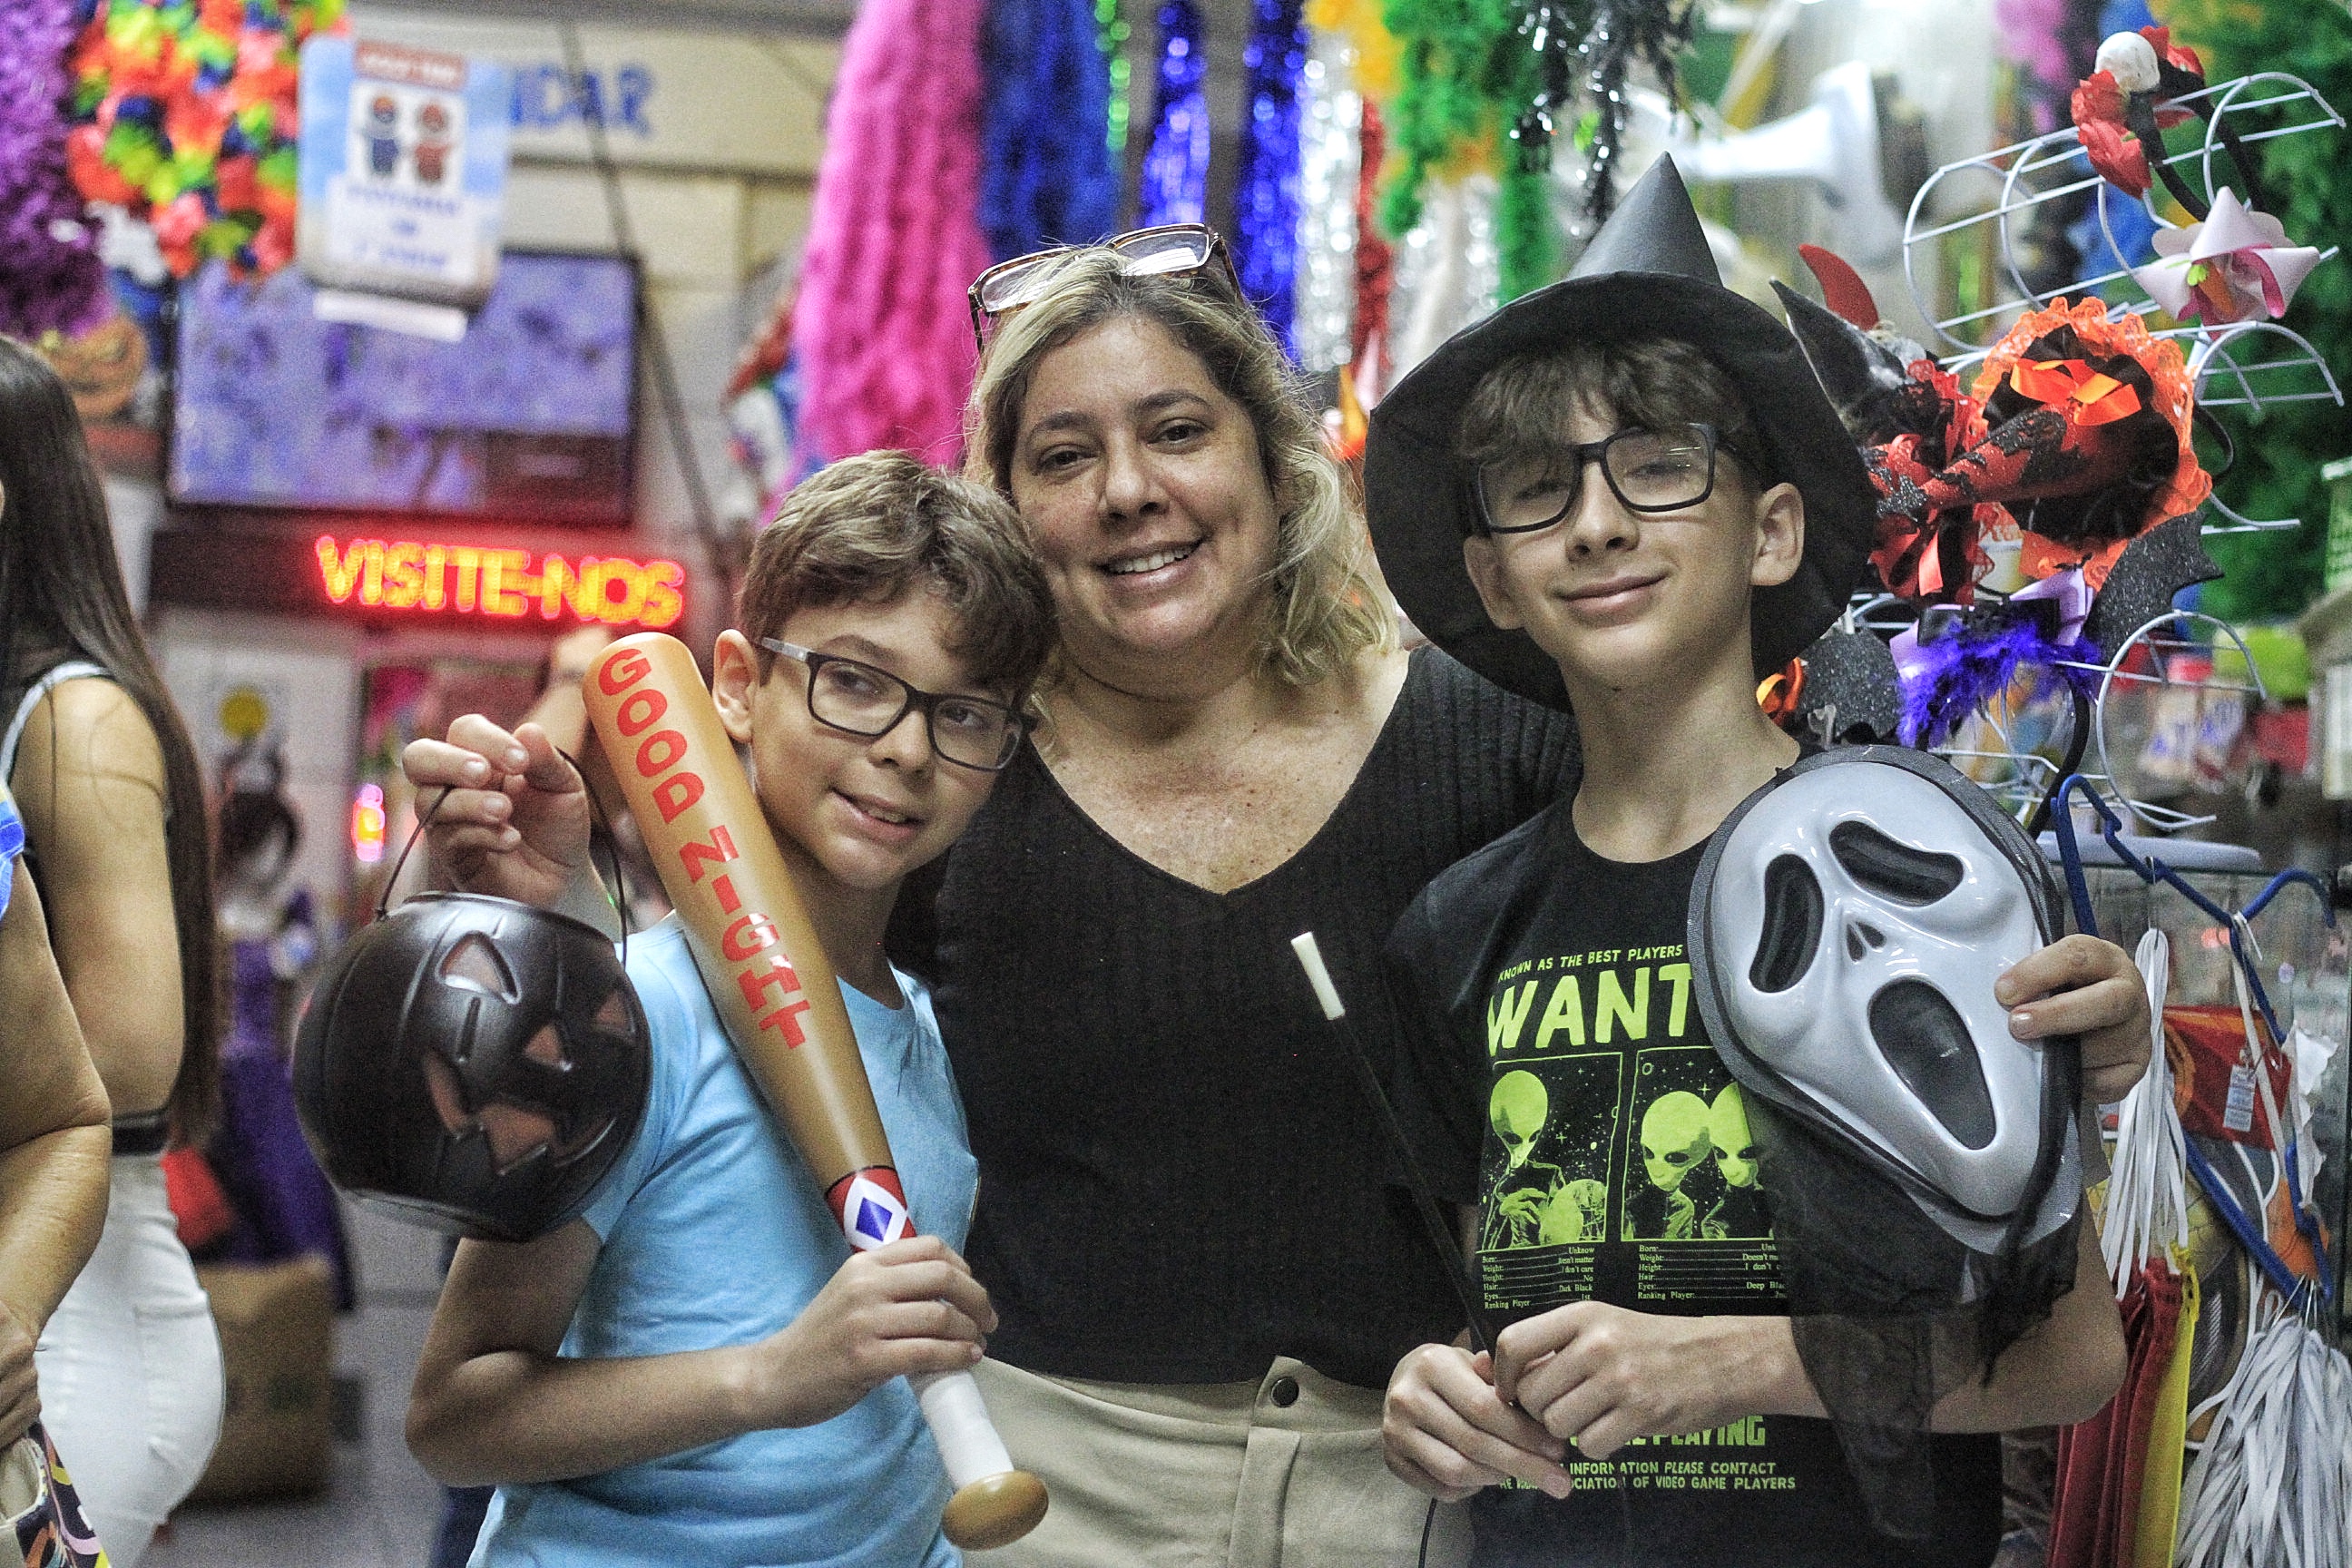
{"x":1647,"y":274}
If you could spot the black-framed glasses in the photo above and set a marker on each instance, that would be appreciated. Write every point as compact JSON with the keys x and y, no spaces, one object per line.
{"x":1648,"y":471}
{"x":861,"y":699}
{"x":1169,"y":251}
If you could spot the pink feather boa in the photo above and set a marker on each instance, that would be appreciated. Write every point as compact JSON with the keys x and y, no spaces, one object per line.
{"x":881,"y":330}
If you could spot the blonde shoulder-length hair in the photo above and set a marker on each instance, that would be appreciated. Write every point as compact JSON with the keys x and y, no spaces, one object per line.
{"x":1328,"y":607}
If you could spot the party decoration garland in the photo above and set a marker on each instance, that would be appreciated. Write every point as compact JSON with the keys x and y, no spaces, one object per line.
{"x":185,"y":115}
{"x":1458,"y":80}
{"x":881,"y":330}
{"x":1111,"y":33}
{"x":1176,"y":166}
{"x":1330,"y":150}
{"x":1046,"y":174}
{"x":1266,"y":195}
{"x":1621,"y":31}
{"x":1375,"y":262}
{"x":50,"y":276}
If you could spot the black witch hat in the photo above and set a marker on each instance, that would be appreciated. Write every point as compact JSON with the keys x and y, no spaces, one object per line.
{"x":1648,"y":274}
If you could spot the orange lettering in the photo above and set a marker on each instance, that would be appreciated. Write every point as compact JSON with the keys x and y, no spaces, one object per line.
{"x":468,"y":559}
{"x":650,"y":761}
{"x":676,"y":793}
{"x":620,"y":671}
{"x":371,"y":580}
{"x":693,"y":853}
{"x":507,"y":582}
{"x":663,"y":606}
{"x":783,"y":1019}
{"x":777,"y":973}
{"x":404,"y":577}
{"x":640,"y":709}
{"x":340,"y":569}
{"x":748,"y":935}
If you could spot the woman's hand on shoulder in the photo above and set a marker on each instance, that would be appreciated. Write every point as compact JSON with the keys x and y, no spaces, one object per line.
{"x":508,"y":814}
{"x":910,"y":1306}
{"x":1446,"y":1432}
{"x":2090,"y":988}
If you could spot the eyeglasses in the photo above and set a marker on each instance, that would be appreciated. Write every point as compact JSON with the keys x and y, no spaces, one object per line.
{"x":1649,"y":471}
{"x":1171,"y":250}
{"x":858,"y":698}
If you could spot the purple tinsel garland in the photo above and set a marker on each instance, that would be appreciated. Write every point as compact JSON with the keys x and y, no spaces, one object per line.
{"x":1950,"y":677}
{"x":50,"y":276}
{"x":1265,"y":197}
{"x":1176,"y":169}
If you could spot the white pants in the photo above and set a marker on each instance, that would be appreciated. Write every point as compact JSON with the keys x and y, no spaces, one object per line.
{"x":130,"y":1368}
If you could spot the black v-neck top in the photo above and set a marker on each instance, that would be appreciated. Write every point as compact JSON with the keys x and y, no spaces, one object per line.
{"x":1180,"y":1178}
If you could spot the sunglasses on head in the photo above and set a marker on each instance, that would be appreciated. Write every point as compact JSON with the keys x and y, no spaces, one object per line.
{"x":1169,"y":251}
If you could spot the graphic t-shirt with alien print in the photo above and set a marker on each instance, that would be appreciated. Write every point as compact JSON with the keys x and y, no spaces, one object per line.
{"x":1557,"y":1077}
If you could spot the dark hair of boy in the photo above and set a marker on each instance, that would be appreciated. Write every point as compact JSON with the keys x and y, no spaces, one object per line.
{"x":872,"y":527}
{"x":1648,"y":383}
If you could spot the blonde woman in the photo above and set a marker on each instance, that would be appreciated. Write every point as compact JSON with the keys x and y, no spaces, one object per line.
{"x":1185,"y":1217}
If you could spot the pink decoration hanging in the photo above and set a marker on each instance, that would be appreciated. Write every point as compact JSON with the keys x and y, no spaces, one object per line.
{"x":882,"y":331}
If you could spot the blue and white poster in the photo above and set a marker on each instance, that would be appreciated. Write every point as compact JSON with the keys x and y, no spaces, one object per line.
{"x":403,"y":170}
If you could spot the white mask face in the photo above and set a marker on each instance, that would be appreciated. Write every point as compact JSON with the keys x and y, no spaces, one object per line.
{"x":1859,"y":916}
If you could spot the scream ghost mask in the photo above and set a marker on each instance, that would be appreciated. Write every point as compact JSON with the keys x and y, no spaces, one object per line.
{"x":1847,"y":924}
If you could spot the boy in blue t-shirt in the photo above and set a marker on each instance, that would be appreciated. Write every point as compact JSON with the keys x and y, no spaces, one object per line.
{"x":699,"y":1369}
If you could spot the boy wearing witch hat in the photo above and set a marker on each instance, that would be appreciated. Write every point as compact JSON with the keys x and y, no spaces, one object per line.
{"x":1627,"y":496}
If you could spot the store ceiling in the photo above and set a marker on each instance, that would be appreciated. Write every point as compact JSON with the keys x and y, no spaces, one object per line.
{"x":821,"y":17}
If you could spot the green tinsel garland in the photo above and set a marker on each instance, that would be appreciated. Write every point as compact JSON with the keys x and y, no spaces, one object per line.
{"x":1467,"y":75}
{"x":2308,"y":179}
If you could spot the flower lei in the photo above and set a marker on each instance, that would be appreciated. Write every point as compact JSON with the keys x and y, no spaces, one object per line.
{"x":50,"y":276}
{"x":185,"y":114}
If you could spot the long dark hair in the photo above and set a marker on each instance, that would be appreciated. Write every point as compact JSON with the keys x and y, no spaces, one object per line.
{"x":61,"y":592}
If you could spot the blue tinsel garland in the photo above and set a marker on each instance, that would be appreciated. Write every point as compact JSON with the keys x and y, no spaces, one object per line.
{"x":1265,"y":193}
{"x":1176,"y":170}
{"x":1045,"y":172}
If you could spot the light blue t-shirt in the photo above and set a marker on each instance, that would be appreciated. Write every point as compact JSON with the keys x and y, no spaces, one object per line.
{"x":716,"y":1234}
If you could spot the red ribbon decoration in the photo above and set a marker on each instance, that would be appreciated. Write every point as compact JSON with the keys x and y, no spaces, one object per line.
{"x":2085,"y":397}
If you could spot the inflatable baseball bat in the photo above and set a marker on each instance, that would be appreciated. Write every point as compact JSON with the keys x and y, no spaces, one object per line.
{"x":774,"y":990}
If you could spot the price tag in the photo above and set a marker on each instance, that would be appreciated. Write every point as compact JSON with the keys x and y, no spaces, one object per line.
{"x":2238,"y":1115}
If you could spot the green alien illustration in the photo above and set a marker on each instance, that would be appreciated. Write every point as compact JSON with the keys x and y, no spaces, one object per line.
{"x":1535,"y":1203}
{"x":1674,"y":1140}
{"x":1740,"y":1211}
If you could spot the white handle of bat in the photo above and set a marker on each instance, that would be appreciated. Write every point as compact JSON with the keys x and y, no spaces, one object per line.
{"x":967,"y":1438}
{"x":993,"y":1503}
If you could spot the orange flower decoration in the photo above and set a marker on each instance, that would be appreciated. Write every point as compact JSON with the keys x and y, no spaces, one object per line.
{"x":2121,"y":334}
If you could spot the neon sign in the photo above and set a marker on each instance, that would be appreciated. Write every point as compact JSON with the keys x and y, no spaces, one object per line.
{"x":478,"y":580}
{"x":367,"y":824}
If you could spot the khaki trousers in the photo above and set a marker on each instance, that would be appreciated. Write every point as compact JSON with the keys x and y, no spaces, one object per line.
{"x":1285,"y":1472}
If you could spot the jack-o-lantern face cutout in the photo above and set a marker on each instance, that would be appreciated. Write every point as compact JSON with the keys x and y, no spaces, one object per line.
{"x":473,"y":1062}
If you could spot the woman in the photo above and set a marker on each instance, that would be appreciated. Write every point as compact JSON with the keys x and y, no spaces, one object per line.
{"x":52,"y":1147}
{"x":1203,"y":1277}
{"x":114,"y":816}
